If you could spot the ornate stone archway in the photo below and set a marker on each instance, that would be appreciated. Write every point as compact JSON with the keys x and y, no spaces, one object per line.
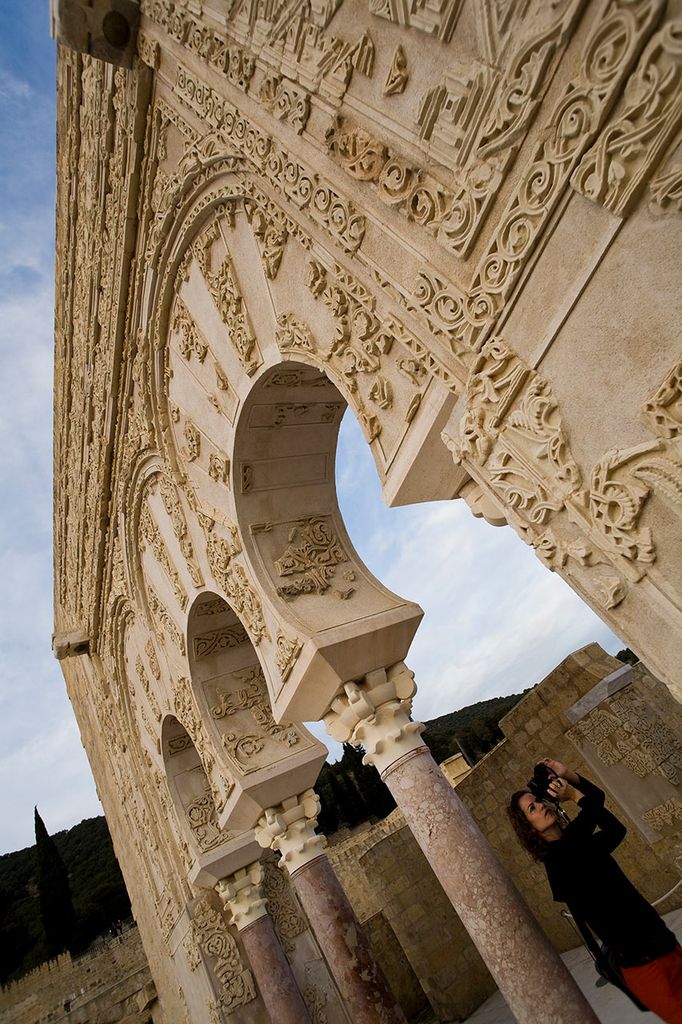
{"x":277,"y":213}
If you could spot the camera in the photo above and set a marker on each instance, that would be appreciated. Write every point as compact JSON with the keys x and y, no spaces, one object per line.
{"x":538,"y":785}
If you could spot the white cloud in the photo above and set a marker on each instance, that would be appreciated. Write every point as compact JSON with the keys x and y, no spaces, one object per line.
{"x":13,"y":88}
{"x":49,"y":770}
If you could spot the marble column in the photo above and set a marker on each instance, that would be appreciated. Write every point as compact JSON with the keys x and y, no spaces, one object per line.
{"x":529,"y":972}
{"x":242,"y":895}
{"x":290,"y":829}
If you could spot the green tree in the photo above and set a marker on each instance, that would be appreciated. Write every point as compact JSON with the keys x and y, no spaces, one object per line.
{"x":56,"y":906}
{"x":373,"y":793}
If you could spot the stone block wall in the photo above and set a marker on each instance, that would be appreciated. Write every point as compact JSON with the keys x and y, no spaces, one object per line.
{"x":110,"y":984}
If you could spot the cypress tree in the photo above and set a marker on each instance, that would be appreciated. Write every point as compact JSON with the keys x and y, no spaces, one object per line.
{"x":56,"y":906}
{"x":373,"y":793}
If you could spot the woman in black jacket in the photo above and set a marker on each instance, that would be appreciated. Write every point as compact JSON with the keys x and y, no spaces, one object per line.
{"x":583,"y":874}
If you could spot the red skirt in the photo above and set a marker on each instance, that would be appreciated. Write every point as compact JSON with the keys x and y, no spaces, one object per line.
{"x":659,"y":985}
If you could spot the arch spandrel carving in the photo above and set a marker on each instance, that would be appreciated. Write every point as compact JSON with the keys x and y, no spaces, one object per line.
{"x":216,"y":852}
{"x":267,"y":760}
{"x":280,"y":300}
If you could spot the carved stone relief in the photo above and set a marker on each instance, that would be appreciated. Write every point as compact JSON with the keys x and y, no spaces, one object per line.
{"x":612,"y":172}
{"x":231,"y":576}
{"x":283,"y":907}
{"x":222,"y":283}
{"x":310,"y":562}
{"x":662,"y":412}
{"x":236,"y":986}
{"x":307,"y":190}
{"x":174,"y":509}
{"x":164,"y":623}
{"x":251,"y":695}
{"x":149,"y":530}
{"x":616,"y":37}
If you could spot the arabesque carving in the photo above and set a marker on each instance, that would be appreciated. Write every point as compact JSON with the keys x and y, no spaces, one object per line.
{"x":231,"y":576}
{"x":662,"y":412}
{"x":288,"y":650}
{"x":292,"y":334}
{"x":147,"y":687}
{"x":285,"y":100}
{"x":626,"y":731}
{"x":222,"y":284}
{"x":252,"y":695}
{"x":164,"y":622}
{"x":585,"y":100}
{"x":174,"y":510}
{"x":666,"y":192}
{"x":286,"y":917}
{"x":221,"y":639}
{"x":612,"y":172}
{"x":203,"y":822}
{"x":664,"y":816}
{"x":307,"y":190}
{"x":149,"y":530}
{"x":191,"y":341}
{"x":617,"y":498}
{"x":525,"y":451}
{"x":212,"y":935}
{"x":311,"y":558}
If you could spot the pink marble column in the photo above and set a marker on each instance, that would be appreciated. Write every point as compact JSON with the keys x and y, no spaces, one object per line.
{"x":376,"y":711}
{"x":276,"y":982}
{"x":360,"y":980}
{"x":529,"y":973}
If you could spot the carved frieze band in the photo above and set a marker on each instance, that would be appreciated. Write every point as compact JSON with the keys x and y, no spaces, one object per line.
{"x":616,"y":38}
{"x":307,"y":190}
{"x":472,"y":123}
{"x":512,"y":429}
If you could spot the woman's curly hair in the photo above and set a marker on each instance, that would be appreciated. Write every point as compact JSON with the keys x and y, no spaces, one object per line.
{"x":529,"y":837}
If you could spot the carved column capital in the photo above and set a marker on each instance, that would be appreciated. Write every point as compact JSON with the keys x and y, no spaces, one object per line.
{"x":243,"y":895}
{"x":290,"y":828}
{"x":376,"y":712}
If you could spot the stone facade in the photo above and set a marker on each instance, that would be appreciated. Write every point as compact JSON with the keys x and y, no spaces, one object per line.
{"x":460,"y":220}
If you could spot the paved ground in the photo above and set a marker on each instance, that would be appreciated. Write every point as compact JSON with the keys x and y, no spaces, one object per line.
{"x":610,"y":1005}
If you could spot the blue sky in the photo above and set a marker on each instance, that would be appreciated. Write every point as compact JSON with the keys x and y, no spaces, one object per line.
{"x":496,"y":621}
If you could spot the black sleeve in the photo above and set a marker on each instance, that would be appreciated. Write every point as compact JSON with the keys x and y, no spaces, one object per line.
{"x":594,"y":815}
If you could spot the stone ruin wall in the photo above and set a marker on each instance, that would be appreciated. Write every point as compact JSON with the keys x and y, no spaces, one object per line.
{"x":107,"y":985}
{"x":387,"y":876}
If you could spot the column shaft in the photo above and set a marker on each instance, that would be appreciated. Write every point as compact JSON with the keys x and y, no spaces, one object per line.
{"x":529,"y":973}
{"x":276,"y":981}
{"x":359,"y":978}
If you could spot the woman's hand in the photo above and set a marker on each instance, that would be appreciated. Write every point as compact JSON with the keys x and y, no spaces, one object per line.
{"x":560,"y":769}
{"x":560,"y":790}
